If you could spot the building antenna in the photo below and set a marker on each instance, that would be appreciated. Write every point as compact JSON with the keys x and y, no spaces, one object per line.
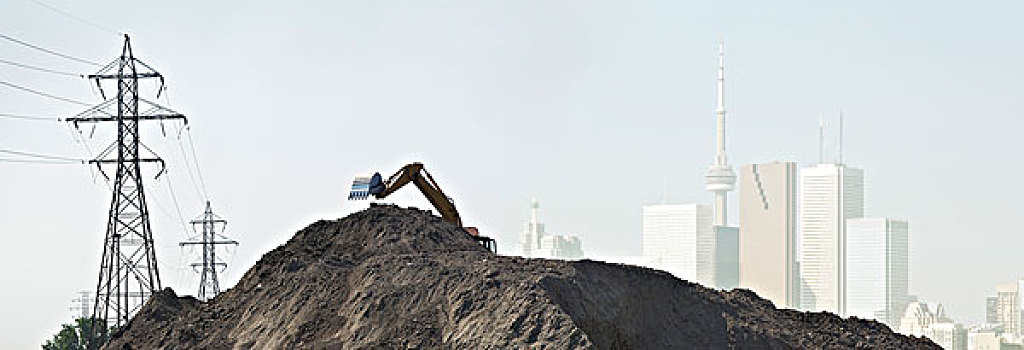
{"x":821,"y":138}
{"x":841,"y":136}
{"x":664,"y":191}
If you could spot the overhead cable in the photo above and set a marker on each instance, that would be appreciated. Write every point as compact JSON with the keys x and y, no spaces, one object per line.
{"x":30,"y":117}
{"x":43,"y":156}
{"x":41,"y":69}
{"x":77,"y":18}
{"x":36,"y":161}
{"x":55,"y":53}
{"x":40,"y":93}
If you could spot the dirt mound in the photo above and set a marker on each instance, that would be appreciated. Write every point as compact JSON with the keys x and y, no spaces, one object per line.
{"x":389,"y":277}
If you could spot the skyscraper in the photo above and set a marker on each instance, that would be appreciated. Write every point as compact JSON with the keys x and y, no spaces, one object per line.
{"x":533,"y":230}
{"x":726,"y":262}
{"x":991,"y":310}
{"x":829,"y":194}
{"x":670,"y":238}
{"x":876,"y":269}
{"x":767,"y":248}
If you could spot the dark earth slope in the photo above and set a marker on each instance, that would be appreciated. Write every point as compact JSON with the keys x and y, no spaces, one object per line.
{"x":389,"y":277}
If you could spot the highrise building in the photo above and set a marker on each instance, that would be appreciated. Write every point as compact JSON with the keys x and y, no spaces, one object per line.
{"x":671,"y":236}
{"x":533,"y":230}
{"x":767,"y":241}
{"x":727,"y":257}
{"x":992,"y":310}
{"x":877,"y":271}
{"x":949,"y":335}
{"x":535,"y":243}
{"x":1008,"y":308}
{"x":829,"y":194}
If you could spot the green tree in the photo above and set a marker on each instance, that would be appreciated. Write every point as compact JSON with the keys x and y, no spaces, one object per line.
{"x":76,"y":336}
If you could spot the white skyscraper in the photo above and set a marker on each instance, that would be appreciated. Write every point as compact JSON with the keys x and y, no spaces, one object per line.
{"x":529,"y":239}
{"x":767,"y":245}
{"x":829,"y":194}
{"x":671,"y":236}
{"x":876,"y":269}
{"x":720,"y":178}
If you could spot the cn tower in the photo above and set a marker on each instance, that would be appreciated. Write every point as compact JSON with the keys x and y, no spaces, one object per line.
{"x":720,"y":178}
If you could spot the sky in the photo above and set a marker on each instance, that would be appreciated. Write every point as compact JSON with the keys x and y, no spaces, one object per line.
{"x":589,"y":106}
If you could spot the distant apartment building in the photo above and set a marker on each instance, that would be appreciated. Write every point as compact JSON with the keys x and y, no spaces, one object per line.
{"x":1008,"y":311}
{"x":672,"y":235}
{"x":534,"y":242}
{"x":949,"y":335}
{"x":564,"y":247}
{"x":992,"y":310}
{"x":990,"y":337}
{"x":767,"y":234}
{"x":877,"y":271}
{"x":829,"y":194}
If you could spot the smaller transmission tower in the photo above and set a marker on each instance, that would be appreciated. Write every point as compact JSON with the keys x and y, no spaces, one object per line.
{"x":211,"y":236}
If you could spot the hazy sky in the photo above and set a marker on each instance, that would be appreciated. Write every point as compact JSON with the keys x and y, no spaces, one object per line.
{"x":587,"y":105}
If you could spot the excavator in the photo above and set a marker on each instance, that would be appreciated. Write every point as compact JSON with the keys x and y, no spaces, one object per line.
{"x":364,"y":187}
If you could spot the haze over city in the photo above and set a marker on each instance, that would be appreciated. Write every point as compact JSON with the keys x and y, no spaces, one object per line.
{"x":590,"y":107}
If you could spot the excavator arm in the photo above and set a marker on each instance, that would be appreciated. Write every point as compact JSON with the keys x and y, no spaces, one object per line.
{"x":419,"y":176}
{"x":376,"y":186}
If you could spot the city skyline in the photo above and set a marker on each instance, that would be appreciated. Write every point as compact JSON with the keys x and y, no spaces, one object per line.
{"x":530,"y":97}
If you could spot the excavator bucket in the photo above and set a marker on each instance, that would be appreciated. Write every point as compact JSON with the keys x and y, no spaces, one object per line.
{"x":360,"y":188}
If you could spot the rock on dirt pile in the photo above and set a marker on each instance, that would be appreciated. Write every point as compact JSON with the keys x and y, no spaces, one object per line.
{"x":389,"y":277}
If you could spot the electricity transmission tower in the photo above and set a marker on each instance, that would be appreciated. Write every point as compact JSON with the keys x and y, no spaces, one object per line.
{"x":128,"y":271}
{"x":208,"y":285}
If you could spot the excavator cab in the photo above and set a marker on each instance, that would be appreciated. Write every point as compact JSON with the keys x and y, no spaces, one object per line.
{"x":365,"y":186}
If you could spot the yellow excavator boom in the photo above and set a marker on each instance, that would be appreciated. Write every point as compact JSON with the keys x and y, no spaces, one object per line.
{"x":379,"y":188}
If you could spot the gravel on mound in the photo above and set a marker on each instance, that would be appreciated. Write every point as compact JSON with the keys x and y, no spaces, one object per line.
{"x":389,"y":277}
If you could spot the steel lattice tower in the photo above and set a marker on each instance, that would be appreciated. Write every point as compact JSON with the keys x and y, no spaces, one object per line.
{"x":209,"y":287}
{"x":128,"y":271}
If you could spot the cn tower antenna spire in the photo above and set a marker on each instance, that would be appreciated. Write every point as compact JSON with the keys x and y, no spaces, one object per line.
{"x":720,"y":178}
{"x":720,"y":157}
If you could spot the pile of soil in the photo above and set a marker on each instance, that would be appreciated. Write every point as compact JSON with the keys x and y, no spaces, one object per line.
{"x":389,"y":277}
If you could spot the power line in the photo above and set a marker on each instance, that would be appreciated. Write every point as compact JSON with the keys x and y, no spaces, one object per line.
{"x":43,"y":156}
{"x":8,"y":160}
{"x":77,"y":18}
{"x":184,"y":156}
{"x":195,"y":159}
{"x":191,"y":177}
{"x":55,"y":53}
{"x":41,"y":69}
{"x":40,"y":93}
{"x":30,"y":117}
{"x":177,"y":208}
